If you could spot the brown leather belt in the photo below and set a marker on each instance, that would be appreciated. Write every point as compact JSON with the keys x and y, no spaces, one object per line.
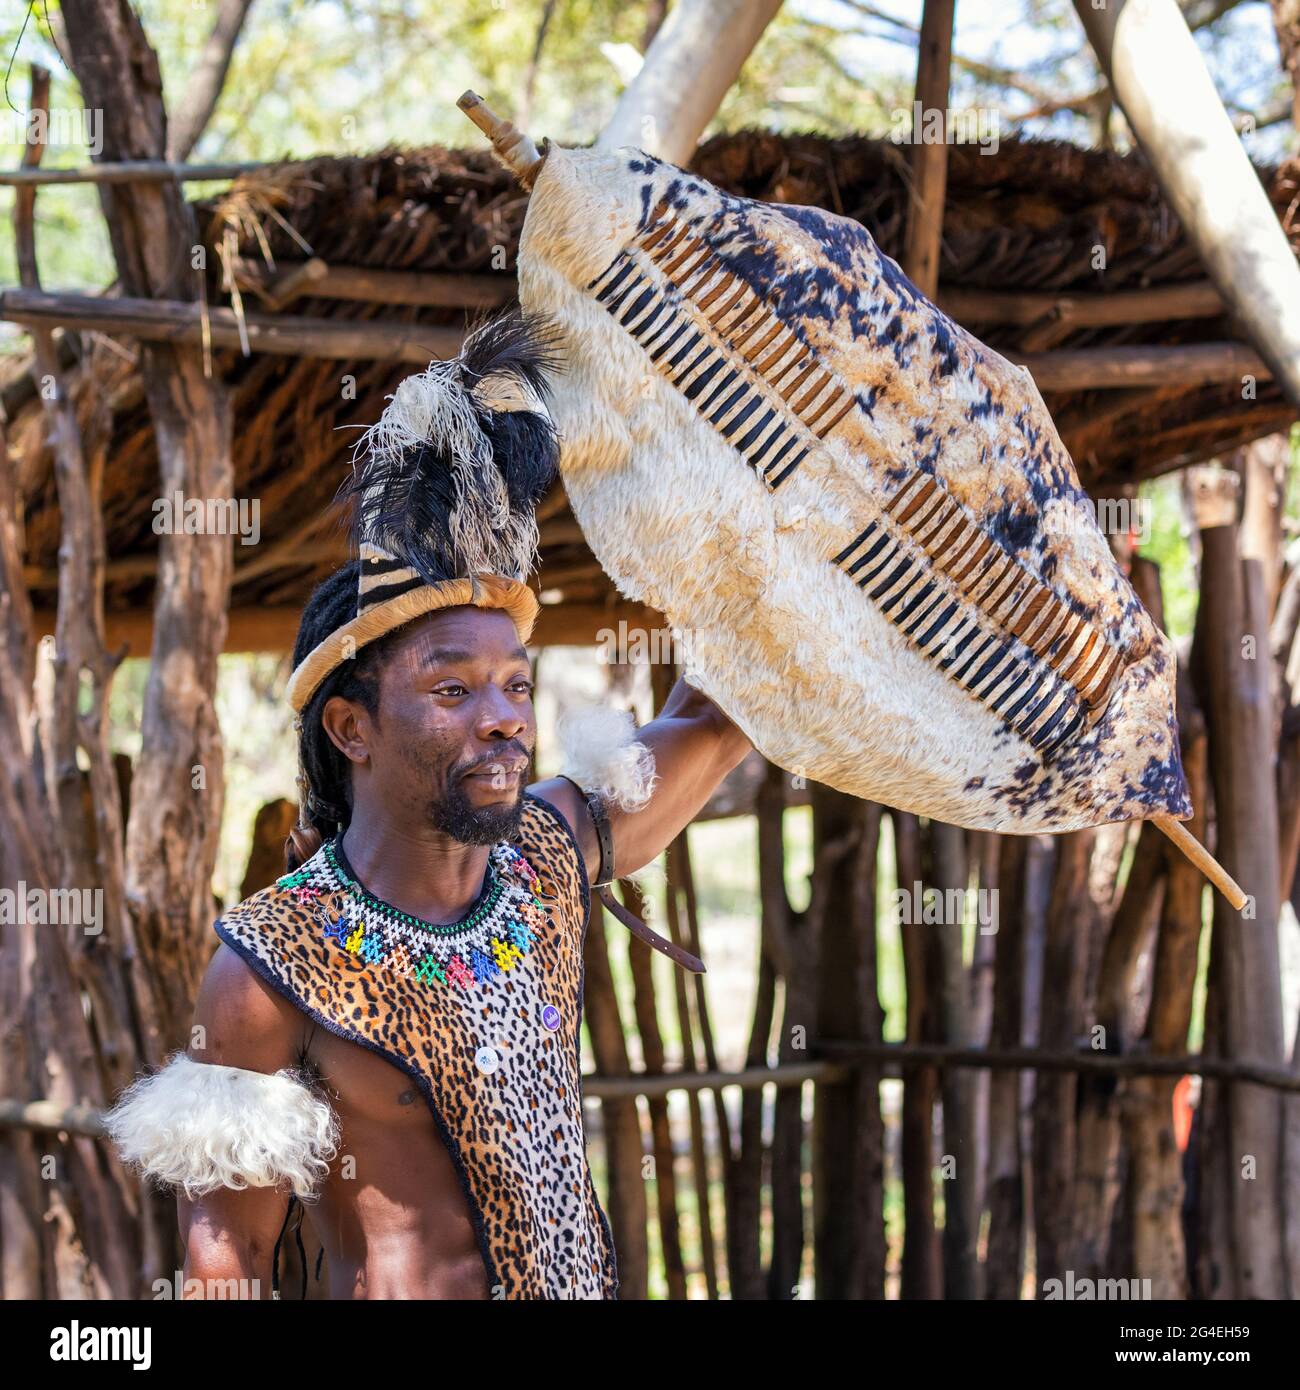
{"x":605,"y":876}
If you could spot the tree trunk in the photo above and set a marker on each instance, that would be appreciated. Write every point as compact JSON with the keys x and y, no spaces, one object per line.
{"x":171,"y":841}
{"x":204,"y":81}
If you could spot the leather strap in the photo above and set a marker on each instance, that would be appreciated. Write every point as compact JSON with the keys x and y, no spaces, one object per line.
{"x":651,"y":938}
{"x":605,"y":876}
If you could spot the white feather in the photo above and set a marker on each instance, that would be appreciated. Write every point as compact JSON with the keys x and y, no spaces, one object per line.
{"x":602,"y":755}
{"x":434,"y":407}
{"x":200,"y":1126}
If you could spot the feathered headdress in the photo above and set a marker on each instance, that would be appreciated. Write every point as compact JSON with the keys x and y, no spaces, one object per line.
{"x":446,"y":484}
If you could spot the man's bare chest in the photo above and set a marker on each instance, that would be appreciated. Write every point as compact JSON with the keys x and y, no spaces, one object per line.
{"x":363,"y":1087}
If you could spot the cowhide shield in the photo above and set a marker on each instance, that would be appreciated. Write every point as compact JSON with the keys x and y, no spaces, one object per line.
{"x":860,"y":519}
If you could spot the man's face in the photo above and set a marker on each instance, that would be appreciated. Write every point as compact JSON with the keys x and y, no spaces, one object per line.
{"x":455,"y":726}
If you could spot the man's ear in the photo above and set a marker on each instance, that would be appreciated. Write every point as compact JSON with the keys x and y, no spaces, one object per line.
{"x":348,"y":727}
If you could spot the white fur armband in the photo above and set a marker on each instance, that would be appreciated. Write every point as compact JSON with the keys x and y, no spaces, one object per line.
{"x":602,"y":754}
{"x":199,"y":1126}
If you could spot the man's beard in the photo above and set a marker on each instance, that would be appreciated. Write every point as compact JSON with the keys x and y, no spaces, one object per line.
{"x":475,"y":825}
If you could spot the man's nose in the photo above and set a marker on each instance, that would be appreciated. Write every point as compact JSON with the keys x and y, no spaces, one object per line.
{"x":499,"y":716}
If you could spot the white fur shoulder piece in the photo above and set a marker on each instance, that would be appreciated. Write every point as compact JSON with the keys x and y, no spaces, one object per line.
{"x":199,"y":1126}
{"x":602,"y":754}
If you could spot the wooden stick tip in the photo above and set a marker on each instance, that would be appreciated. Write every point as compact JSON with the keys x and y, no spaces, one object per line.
{"x":1203,"y":860}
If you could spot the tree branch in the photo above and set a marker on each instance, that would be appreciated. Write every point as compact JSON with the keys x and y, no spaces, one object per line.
{"x":206,"y":79}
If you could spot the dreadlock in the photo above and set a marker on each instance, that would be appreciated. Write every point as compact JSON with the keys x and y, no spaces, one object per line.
{"x":324,"y":776}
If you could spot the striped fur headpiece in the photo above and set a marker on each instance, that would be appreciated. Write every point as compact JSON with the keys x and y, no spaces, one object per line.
{"x":896,"y":584}
{"x":445,"y":487}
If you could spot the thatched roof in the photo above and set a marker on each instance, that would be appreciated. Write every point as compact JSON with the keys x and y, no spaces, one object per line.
{"x":1026,"y":219}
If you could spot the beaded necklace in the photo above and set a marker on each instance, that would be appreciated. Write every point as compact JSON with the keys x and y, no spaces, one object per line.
{"x":480,"y":949}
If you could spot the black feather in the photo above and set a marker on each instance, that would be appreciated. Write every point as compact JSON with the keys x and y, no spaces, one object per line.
{"x":404,"y":503}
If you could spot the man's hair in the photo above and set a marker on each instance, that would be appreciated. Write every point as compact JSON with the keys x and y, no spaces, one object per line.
{"x":329,"y":798}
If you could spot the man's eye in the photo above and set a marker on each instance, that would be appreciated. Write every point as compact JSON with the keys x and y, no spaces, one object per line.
{"x":451,"y":690}
{"x":527,"y":686}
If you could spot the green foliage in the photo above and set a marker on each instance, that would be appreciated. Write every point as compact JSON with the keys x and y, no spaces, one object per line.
{"x":1168,"y":547}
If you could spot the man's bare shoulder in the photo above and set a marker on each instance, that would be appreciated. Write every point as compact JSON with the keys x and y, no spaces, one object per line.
{"x":562,"y":796}
{"x":241,"y":1021}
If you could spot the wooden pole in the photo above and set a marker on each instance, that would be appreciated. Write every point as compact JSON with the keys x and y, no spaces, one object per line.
{"x":922,"y":1271}
{"x":1069,"y":926}
{"x":127,"y":171}
{"x":646,"y":1010}
{"x":87,"y":1256}
{"x":929,"y":161}
{"x":627,"y":1206}
{"x":951,"y":874}
{"x":176,"y":321}
{"x":1155,"y":1163}
{"x":1234,"y":686}
{"x":679,"y":899}
{"x":1160,"y":80}
{"x":1203,"y":860}
{"x":695,"y":58}
{"x":848,"y":1132}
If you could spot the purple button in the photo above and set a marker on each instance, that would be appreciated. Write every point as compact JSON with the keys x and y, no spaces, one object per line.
{"x":550,"y":1017}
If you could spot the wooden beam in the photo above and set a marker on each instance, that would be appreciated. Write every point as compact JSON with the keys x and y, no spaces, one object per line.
{"x":127,"y":171}
{"x":403,"y":287}
{"x":1160,"y":79}
{"x":1199,"y":364}
{"x":929,"y":160}
{"x":296,"y":551}
{"x":175,"y":321}
{"x":690,"y":67}
{"x":274,"y":629}
{"x":1162,"y":305}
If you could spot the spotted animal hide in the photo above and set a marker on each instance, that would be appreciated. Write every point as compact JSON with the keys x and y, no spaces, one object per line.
{"x":860,"y":520}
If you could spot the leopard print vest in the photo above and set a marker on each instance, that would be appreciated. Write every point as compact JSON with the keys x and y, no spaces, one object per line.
{"x":485,"y":1020}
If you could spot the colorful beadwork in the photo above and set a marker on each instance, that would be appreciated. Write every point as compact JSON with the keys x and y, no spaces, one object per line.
{"x":472,"y":954}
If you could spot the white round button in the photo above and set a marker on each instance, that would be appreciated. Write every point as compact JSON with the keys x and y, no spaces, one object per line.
{"x":487,"y":1060}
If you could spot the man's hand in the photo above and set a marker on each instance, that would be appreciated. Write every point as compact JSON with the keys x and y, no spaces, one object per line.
{"x":695,"y":745}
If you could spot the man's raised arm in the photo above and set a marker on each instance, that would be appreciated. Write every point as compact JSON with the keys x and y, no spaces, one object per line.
{"x":694,"y":746}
